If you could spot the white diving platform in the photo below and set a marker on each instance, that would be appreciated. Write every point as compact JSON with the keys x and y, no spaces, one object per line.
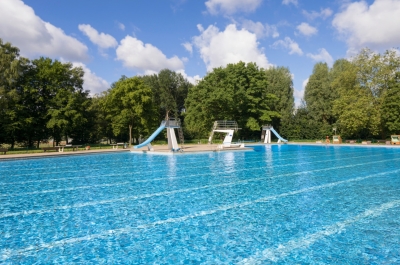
{"x":227,"y":127}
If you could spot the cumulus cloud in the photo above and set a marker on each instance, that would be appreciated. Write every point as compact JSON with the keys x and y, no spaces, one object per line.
{"x":229,"y":7}
{"x":219,"y":48}
{"x":102,"y":40}
{"x":324,"y":14}
{"x":92,"y":82}
{"x":287,"y":2}
{"x":289,"y":44}
{"x":188,"y":46}
{"x":376,"y":26}
{"x":136,"y":55}
{"x":33,"y":36}
{"x":306,"y":29}
{"x":261,"y":30}
{"x":192,"y":79}
{"x":322,"y":55}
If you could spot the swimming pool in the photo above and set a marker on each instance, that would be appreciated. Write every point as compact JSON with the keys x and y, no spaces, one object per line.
{"x":280,"y":204}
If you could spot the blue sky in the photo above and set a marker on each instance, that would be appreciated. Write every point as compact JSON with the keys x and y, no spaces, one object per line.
{"x":113,"y":38}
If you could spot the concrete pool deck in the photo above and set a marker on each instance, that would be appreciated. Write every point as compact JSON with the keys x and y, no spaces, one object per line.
{"x":187,"y":149}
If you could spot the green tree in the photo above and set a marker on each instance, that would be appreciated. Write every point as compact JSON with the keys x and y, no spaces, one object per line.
{"x":130,"y":106}
{"x":170,"y":90}
{"x":391,"y":106}
{"x":237,"y":92}
{"x":48,"y":91}
{"x":319,"y":95}
{"x":11,"y":68}
{"x":280,"y":84}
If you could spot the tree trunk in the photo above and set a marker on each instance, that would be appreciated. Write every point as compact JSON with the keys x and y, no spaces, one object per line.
{"x":130,"y":135}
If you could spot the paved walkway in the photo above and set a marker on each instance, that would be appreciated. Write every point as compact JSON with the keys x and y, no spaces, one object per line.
{"x":190,"y":148}
{"x":44,"y":154}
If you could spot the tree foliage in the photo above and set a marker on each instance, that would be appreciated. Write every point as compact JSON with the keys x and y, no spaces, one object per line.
{"x":280,"y":84}
{"x":237,"y":92}
{"x":130,"y":106}
{"x":170,"y":90}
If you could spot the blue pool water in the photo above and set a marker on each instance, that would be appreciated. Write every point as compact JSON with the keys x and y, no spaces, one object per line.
{"x":281,"y":204}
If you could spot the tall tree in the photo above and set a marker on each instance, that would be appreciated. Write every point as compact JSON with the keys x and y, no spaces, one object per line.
{"x":280,"y":84}
{"x":236,"y":92}
{"x":318,"y":94}
{"x":130,"y":106}
{"x":170,"y":90}
{"x":47,"y":92}
{"x":391,"y":106}
{"x":11,"y":68}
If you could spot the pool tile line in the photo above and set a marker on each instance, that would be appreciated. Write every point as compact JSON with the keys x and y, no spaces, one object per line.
{"x":143,"y":196}
{"x":7,"y":253}
{"x":279,"y":252}
{"x":143,"y":181}
{"x":158,"y":179}
{"x":13,"y":169}
{"x":66,"y":189}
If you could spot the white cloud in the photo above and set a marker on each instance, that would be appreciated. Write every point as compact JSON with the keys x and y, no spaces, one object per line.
{"x":192,"y":79}
{"x":219,"y":48}
{"x":102,"y":40}
{"x":299,"y":94}
{"x":92,"y":82}
{"x":306,"y":29}
{"x":287,"y":2}
{"x":188,"y":46}
{"x":324,"y":14}
{"x":229,"y":7}
{"x":288,"y":43}
{"x":261,"y":30}
{"x":33,"y":36}
{"x":121,"y":26}
{"x":145,"y":57}
{"x":323,"y":56}
{"x":376,"y":26}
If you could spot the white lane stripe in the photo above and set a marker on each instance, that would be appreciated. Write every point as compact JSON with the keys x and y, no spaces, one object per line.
{"x":281,"y":158}
{"x":168,"y":178}
{"x":143,"y":196}
{"x":6,"y":253}
{"x":65,"y":189}
{"x":138,"y":197}
{"x":142,"y":181}
{"x":248,"y":162}
{"x":279,"y":252}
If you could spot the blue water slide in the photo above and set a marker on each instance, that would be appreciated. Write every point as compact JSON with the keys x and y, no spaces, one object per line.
{"x":277,"y":135}
{"x":151,"y":138}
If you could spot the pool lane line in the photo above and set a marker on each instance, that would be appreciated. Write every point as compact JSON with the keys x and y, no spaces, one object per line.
{"x":146,"y":164}
{"x":164,"y":193}
{"x":276,"y":253}
{"x":132,"y":182}
{"x":163,"y":170}
{"x":159,"y":179}
{"x":65,"y":189}
{"x":6,"y":253}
